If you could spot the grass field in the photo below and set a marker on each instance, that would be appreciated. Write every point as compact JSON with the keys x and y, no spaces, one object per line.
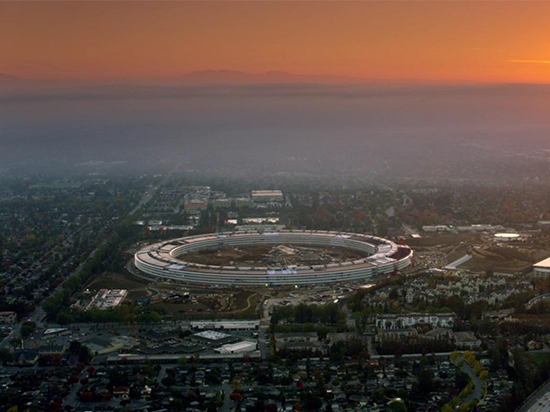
{"x":117,"y":281}
{"x":244,"y":307}
{"x":541,"y":358}
{"x":246,"y":303}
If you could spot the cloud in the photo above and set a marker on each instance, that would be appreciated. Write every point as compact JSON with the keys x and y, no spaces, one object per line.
{"x":521,"y":61}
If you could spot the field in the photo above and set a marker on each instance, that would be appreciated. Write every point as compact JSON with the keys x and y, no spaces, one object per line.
{"x":441,"y":240}
{"x":269,"y":255}
{"x":117,"y":281}
{"x":502,"y":258}
{"x":541,"y":358}
{"x":182,"y":301}
{"x":241,"y":304}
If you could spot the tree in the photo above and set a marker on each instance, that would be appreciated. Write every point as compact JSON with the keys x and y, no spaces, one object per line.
{"x":398,"y":406}
{"x":27,"y":328}
{"x":74,"y":347}
{"x":6,"y":355}
{"x":84,"y":355}
{"x":425,"y":381}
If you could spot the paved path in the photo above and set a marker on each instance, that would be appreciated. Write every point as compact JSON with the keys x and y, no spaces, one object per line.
{"x":477,"y":392}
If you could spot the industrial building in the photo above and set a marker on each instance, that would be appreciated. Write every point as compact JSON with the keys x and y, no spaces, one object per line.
{"x":237,"y":325}
{"x":238,"y":347}
{"x":542,"y":268}
{"x":266,"y":196}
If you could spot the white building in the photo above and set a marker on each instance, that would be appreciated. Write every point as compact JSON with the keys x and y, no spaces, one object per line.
{"x":437,"y":228}
{"x":542,"y":268}
{"x":406,"y":320}
{"x":238,"y":347}
{"x":245,"y":325}
{"x":8,"y":317}
{"x":266,"y":196}
{"x":466,"y":340}
{"x":108,"y":298}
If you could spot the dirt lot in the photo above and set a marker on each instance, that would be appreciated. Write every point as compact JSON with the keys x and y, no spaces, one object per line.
{"x":272,"y":255}
{"x":502,"y":258}
{"x":443,"y":240}
{"x":236,"y":304}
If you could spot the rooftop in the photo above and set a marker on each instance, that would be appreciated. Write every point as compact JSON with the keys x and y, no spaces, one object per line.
{"x":212,"y":335}
{"x":543,"y":263}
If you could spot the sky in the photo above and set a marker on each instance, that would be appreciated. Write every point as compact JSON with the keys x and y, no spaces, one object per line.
{"x":436,"y":41}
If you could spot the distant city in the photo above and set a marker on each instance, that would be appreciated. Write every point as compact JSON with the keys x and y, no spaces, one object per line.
{"x":281,"y":297}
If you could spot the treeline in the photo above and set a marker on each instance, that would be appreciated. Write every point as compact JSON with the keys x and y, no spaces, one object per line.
{"x":351,"y":348}
{"x":528,"y":375}
{"x":413,"y":345}
{"x":321,"y":330}
{"x":329,"y":314}
{"x":106,"y":257}
{"x":119,"y":314}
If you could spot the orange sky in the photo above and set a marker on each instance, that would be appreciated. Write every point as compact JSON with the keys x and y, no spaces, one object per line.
{"x":432,"y":41}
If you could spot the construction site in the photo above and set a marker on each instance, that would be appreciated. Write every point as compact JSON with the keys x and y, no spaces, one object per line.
{"x":273,"y":256}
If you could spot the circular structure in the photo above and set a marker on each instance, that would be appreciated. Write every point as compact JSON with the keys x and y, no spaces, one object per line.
{"x":166,"y":260}
{"x":506,"y":237}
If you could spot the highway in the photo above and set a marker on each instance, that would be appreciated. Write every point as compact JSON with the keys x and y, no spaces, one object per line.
{"x":539,"y":401}
{"x":38,"y":315}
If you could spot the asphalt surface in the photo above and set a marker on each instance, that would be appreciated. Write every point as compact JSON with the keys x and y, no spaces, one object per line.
{"x":539,"y":401}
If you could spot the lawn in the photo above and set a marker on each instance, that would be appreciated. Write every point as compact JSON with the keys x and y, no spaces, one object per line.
{"x":541,"y":358}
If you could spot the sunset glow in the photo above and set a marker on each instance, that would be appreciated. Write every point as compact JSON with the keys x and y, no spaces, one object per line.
{"x":425,"y":41}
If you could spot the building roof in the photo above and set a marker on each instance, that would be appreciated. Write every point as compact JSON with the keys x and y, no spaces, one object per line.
{"x":212,"y":335}
{"x":237,"y":346}
{"x":464,"y":337}
{"x":267,"y":193}
{"x":543,"y":263}
{"x":54,"y":330}
{"x":507,"y":235}
{"x":226,"y":324}
{"x":51,"y":348}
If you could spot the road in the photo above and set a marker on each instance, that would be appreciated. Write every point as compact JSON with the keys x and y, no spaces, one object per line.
{"x":477,"y":391}
{"x":539,"y":401}
{"x":149,"y":194}
{"x":38,"y":315}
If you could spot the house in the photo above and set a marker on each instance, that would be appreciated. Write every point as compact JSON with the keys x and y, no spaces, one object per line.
{"x":396,"y":334}
{"x":121,"y":392}
{"x":296,"y":337}
{"x":8,"y":317}
{"x":25,"y":357}
{"x":438,"y":333}
{"x":399,"y":321}
{"x":298,"y":341}
{"x":466,"y":340}
{"x":51,"y":350}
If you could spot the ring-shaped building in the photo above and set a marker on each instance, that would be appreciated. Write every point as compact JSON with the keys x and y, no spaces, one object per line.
{"x":166,"y":260}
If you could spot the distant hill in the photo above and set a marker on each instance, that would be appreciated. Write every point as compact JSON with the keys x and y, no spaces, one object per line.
{"x":237,"y":77}
{"x":8,"y":79}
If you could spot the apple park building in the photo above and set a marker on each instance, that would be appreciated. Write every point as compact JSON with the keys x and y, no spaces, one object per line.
{"x":167,"y":260}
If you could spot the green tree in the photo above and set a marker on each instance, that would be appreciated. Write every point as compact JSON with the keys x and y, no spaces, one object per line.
{"x":27,"y":329}
{"x":397,"y":406}
{"x":6,"y":355}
